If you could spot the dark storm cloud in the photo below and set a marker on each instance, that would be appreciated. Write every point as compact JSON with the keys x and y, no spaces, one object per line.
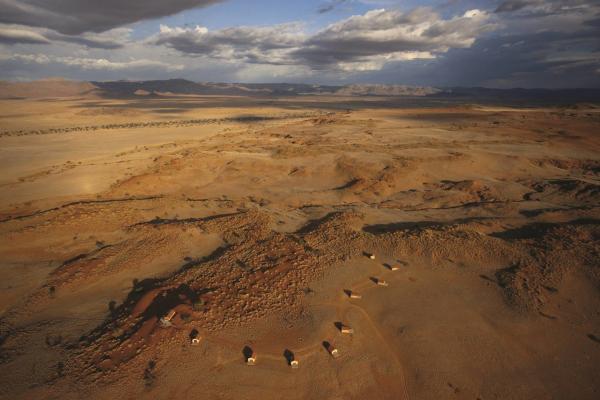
{"x":532,"y":8}
{"x":528,"y":57}
{"x":330,"y":6}
{"x":593,"y":22}
{"x":550,"y":42}
{"x":73,"y":17}
{"x":514,"y":5}
{"x":543,"y":59}
{"x":539,"y":44}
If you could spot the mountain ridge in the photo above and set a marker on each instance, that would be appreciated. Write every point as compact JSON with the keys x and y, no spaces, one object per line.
{"x":57,"y":88}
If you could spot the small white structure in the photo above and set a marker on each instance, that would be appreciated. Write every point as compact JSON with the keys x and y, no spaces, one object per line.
{"x":195,"y":337}
{"x":371,"y":256}
{"x":346,"y":330}
{"x":333,"y":351}
{"x":166,"y":320}
{"x":294,"y":364}
{"x":394,"y":267}
{"x":251,"y":360}
{"x":170,"y":315}
{"x":354,"y":295}
{"x":382,"y":283}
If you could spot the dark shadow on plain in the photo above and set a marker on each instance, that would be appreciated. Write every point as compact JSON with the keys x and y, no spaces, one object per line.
{"x":539,"y":229}
{"x":347,"y":185}
{"x":547,"y":315}
{"x":247,"y":352}
{"x":551,"y":289}
{"x":419,"y":225}
{"x":593,"y":337}
{"x":194,"y":334}
{"x":289,"y":356}
{"x":315,"y":223}
{"x":487,"y":278}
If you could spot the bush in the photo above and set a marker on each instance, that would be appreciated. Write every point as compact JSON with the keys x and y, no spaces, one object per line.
{"x":198,"y":305}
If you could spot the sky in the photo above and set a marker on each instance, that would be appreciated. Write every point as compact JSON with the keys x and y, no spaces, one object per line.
{"x":443,"y":43}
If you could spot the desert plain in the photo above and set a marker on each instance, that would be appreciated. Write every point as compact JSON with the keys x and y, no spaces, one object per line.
{"x":468,"y":231}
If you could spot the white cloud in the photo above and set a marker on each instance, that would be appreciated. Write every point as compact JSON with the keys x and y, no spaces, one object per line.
{"x":10,"y":34}
{"x":91,"y":63}
{"x":255,"y":45}
{"x":359,"y":43}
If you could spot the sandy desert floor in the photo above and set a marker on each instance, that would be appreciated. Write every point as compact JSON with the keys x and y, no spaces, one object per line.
{"x":254,"y":219}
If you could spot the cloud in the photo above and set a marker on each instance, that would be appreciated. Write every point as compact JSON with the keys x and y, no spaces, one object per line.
{"x":364,"y":42}
{"x":96,"y":41}
{"x":381,"y":35}
{"x":543,"y":59}
{"x":91,"y":63}
{"x":73,"y":17}
{"x":18,"y":34}
{"x":545,"y":43}
{"x":255,"y":45}
{"x":330,"y":6}
{"x":531,"y":8}
{"x":263,"y":38}
{"x":11,"y":35}
{"x":515,"y":5}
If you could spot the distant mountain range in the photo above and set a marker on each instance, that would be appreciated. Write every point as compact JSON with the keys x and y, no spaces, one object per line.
{"x":185,"y":87}
{"x":50,"y":88}
{"x":386,"y":90}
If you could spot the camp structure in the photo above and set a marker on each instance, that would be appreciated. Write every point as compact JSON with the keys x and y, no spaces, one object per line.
{"x":370,"y":255}
{"x":249,"y":356}
{"x":331,"y":349}
{"x":379,"y":282}
{"x":395,"y":267}
{"x":346,"y":330}
{"x":195,"y":337}
{"x":353,"y":295}
{"x":291,"y":359}
{"x":166,"y":320}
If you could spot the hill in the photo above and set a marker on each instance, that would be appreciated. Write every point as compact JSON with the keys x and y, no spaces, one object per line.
{"x":46,"y":88}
